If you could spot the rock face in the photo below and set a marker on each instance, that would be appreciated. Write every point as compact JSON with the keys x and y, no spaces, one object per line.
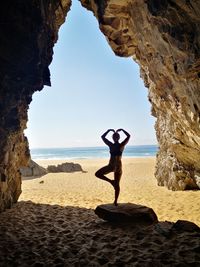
{"x":28,"y":32}
{"x":164,"y":38}
{"x":65,"y":167}
{"x":126,"y":213}
{"x":33,"y":169}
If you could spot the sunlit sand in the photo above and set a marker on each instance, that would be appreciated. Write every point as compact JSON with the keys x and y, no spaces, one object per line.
{"x":138,"y":185}
{"x":54,"y":223}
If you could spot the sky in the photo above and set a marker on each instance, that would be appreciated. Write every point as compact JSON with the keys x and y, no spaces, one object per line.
{"x":92,"y":90}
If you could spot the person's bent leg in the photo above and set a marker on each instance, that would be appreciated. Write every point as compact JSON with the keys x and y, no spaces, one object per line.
{"x":117,"y":186}
{"x":101,"y":174}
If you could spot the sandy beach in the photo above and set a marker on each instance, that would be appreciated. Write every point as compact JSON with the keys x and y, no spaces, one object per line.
{"x":54,"y":224}
{"x":138,"y":185}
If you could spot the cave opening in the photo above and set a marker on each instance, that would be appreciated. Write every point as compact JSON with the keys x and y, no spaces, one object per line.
{"x":92,"y":90}
{"x":89,"y":85}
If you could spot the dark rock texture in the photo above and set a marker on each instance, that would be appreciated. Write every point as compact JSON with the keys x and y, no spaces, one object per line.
{"x":163,"y":37}
{"x":170,"y":229}
{"x":185,"y":226}
{"x":126,"y":213}
{"x":28,"y":31}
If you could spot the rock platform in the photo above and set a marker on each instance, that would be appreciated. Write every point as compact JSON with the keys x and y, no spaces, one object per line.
{"x":126,"y":213}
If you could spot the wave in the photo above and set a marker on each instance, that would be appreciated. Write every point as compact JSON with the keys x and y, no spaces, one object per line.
{"x":90,"y":152}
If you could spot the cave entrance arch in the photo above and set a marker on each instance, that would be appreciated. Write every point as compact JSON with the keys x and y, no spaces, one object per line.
{"x":162,"y":36}
{"x":89,"y":85}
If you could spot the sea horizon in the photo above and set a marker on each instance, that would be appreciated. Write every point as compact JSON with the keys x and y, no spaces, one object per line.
{"x":90,"y":152}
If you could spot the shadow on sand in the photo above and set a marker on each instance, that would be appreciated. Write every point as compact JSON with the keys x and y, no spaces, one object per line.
{"x":51,"y":235}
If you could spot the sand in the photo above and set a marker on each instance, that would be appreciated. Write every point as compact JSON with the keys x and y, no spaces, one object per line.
{"x":138,"y":185}
{"x":54,"y":224}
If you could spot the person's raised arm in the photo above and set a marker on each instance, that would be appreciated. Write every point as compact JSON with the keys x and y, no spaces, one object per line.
{"x":127,"y":136}
{"x":106,"y":141}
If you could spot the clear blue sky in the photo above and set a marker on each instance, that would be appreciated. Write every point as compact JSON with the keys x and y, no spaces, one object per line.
{"x":92,"y":90}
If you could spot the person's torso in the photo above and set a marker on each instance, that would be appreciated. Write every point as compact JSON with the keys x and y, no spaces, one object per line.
{"x":116,"y":150}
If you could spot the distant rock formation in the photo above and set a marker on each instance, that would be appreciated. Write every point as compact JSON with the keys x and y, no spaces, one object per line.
{"x":126,"y":213}
{"x":65,"y":167}
{"x":33,"y":169}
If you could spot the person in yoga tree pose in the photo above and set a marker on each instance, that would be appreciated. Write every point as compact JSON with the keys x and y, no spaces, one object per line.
{"x":115,"y":163}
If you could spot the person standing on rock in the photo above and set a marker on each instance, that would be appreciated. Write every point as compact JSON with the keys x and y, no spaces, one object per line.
{"x":115,"y":163}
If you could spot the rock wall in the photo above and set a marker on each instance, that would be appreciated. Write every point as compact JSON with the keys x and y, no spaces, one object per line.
{"x":28,"y":31}
{"x":163,"y":37}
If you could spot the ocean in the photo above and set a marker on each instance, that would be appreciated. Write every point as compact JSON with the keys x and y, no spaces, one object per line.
{"x":90,"y":152}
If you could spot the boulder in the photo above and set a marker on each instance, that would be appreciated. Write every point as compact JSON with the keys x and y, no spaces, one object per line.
{"x":33,"y":169}
{"x":126,"y":213}
{"x":185,"y":226}
{"x":169,"y":229}
{"x":65,"y":167}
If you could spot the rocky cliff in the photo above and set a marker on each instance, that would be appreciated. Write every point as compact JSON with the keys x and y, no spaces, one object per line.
{"x":162,"y":36}
{"x":28,"y":31}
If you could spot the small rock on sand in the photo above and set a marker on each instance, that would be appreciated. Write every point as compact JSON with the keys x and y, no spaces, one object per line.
{"x":65,"y":167}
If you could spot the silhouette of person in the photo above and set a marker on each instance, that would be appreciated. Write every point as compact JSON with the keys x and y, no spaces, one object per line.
{"x":115,"y":163}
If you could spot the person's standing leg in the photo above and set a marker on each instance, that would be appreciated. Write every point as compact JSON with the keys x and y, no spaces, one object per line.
{"x":117,"y":176}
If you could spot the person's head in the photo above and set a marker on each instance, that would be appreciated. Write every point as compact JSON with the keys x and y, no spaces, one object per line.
{"x":116,"y":137}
